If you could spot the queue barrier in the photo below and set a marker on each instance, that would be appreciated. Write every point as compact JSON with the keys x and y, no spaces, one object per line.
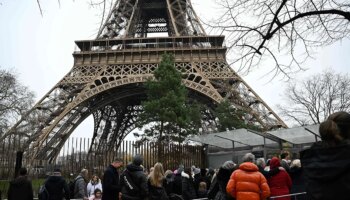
{"x":293,"y":196}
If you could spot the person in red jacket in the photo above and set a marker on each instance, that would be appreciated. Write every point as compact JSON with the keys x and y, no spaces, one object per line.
{"x":247,"y":183}
{"x":280,"y":183}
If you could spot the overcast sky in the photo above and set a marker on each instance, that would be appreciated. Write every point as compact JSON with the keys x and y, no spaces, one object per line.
{"x":40,"y":48}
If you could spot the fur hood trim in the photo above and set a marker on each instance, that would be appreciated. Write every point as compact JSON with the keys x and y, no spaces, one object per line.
{"x":183,"y":174}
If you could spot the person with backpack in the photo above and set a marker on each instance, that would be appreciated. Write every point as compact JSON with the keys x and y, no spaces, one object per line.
{"x":110,"y":183}
{"x":134,"y":181}
{"x":20,"y":188}
{"x":56,"y":187}
{"x":79,"y":191}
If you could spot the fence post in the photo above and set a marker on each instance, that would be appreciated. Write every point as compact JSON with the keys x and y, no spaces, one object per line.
{"x":19,"y":156}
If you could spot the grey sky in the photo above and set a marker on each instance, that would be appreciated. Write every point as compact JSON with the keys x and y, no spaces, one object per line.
{"x":40,"y":48}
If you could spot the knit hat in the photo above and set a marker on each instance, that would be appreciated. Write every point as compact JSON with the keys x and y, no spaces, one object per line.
{"x":275,"y":163}
{"x":180,"y":169}
{"x":196,"y":171}
{"x":228,"y":165}
{"x":137,"y":159}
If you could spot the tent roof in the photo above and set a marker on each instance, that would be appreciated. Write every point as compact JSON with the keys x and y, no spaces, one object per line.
{"x":299,"y":135}
{"x":246,"y":138}
{"x":240,"y":137}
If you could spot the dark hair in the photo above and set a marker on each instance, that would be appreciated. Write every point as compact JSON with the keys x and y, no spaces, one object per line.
{"x":97,"y":190}
{"x":23,"y":171}
{"x":188,"y":171}
{"x":336,"y":128}
{"x":118,"y":160}
{"x":284,"y":155}
{"x":137,"y":159}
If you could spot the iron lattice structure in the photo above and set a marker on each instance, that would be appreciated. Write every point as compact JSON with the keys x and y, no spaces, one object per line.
{"x":108,"y":75}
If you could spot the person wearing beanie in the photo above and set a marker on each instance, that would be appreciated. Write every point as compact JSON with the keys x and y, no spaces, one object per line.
{"x":279,"y":183}
{"x":134,"y":181}
{"x":177,"y":183}
{"x":56,"y":186}
{"x":217,"y":189}
{"x":247,"y":183}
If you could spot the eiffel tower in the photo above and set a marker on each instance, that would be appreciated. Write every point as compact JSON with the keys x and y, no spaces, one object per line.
{"x":108,"y":75}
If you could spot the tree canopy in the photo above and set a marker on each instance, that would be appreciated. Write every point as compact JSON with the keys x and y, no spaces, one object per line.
{"x":229,"y":117}
{"x":15,"y":99}
{"x":167,"y":114}
{"x":312,"y":100}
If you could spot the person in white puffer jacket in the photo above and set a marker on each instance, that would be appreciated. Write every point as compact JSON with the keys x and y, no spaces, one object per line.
{"x":94,"y":184}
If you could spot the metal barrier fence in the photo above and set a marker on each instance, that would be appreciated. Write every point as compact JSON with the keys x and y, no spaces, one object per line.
{"x":294,"y":196}
{"x":77,"y":154}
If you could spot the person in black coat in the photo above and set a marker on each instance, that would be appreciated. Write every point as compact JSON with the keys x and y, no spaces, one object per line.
{"x":177,"y":183}
{"x":110,"y":183}
{"x":326,"y":164}
{"x":156,"y":183}
{"x":188,"y":190}
{"x":20,"y":188}
{"x":56,"y":186}
{"x":134,"y":181}
{"x":169,"y":181}
{"x":217,"y":190}
{"x":298,"y":180}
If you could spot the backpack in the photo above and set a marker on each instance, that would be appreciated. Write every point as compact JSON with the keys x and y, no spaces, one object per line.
{"x":43,"y":194}
{"x":71,"y":186}
{"x":129,"y":183}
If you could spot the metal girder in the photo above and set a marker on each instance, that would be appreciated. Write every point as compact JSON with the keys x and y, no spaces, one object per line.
{"x":108,"y":76}
{"x":133,"y":18}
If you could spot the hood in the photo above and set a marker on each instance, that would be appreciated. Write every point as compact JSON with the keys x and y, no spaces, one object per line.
{"x":54,"y":179}
{"x":248,"y":166}
{"x":19,"y":181}
{"x":275,"y":163}
{"x":324,"y":164}
{"x":132,"y":168}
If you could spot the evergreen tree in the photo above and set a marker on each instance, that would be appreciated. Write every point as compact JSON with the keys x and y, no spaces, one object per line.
{"x":167,"y":115}
{"x":231,"y":118}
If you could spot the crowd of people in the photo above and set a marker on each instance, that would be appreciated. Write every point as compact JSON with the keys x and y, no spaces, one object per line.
{"x":323,"y":172}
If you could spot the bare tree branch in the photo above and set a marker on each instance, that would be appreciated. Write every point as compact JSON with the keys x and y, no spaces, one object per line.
{"x":283,"y":27}
{"x":312,"y":100}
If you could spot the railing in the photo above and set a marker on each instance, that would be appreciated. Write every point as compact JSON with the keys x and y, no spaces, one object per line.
{"x":293,"y":196}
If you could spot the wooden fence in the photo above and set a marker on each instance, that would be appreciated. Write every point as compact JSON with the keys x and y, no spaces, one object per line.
{"x":75,"y":156}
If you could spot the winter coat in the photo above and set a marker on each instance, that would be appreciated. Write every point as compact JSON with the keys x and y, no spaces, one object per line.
{"x":111,"y":184}
{"x":57,"y":188}
{"x":280,"y":183}
{"x":188,"y":191}
{"x":248,"y":183}
{"x":285,"y":165}
{"x":327,"y":171}
{"x":92,"y":197}
{"x":202,"y":193}
{"x":168,"y":184}
{"x":139,"y":179}
{"x":20,"y":188}
{"x":217,"y":189}
{"x":298,"y":180}
{"x":91,"y":187}
{"x":157,"y":193}
{"x":177,"y":184}
{"x":80,"y":187}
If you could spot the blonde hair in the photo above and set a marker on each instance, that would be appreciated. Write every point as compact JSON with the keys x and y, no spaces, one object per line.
{"x":157,"y":175}
{"x":202,"y":186}
{"x":295,"y":163}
